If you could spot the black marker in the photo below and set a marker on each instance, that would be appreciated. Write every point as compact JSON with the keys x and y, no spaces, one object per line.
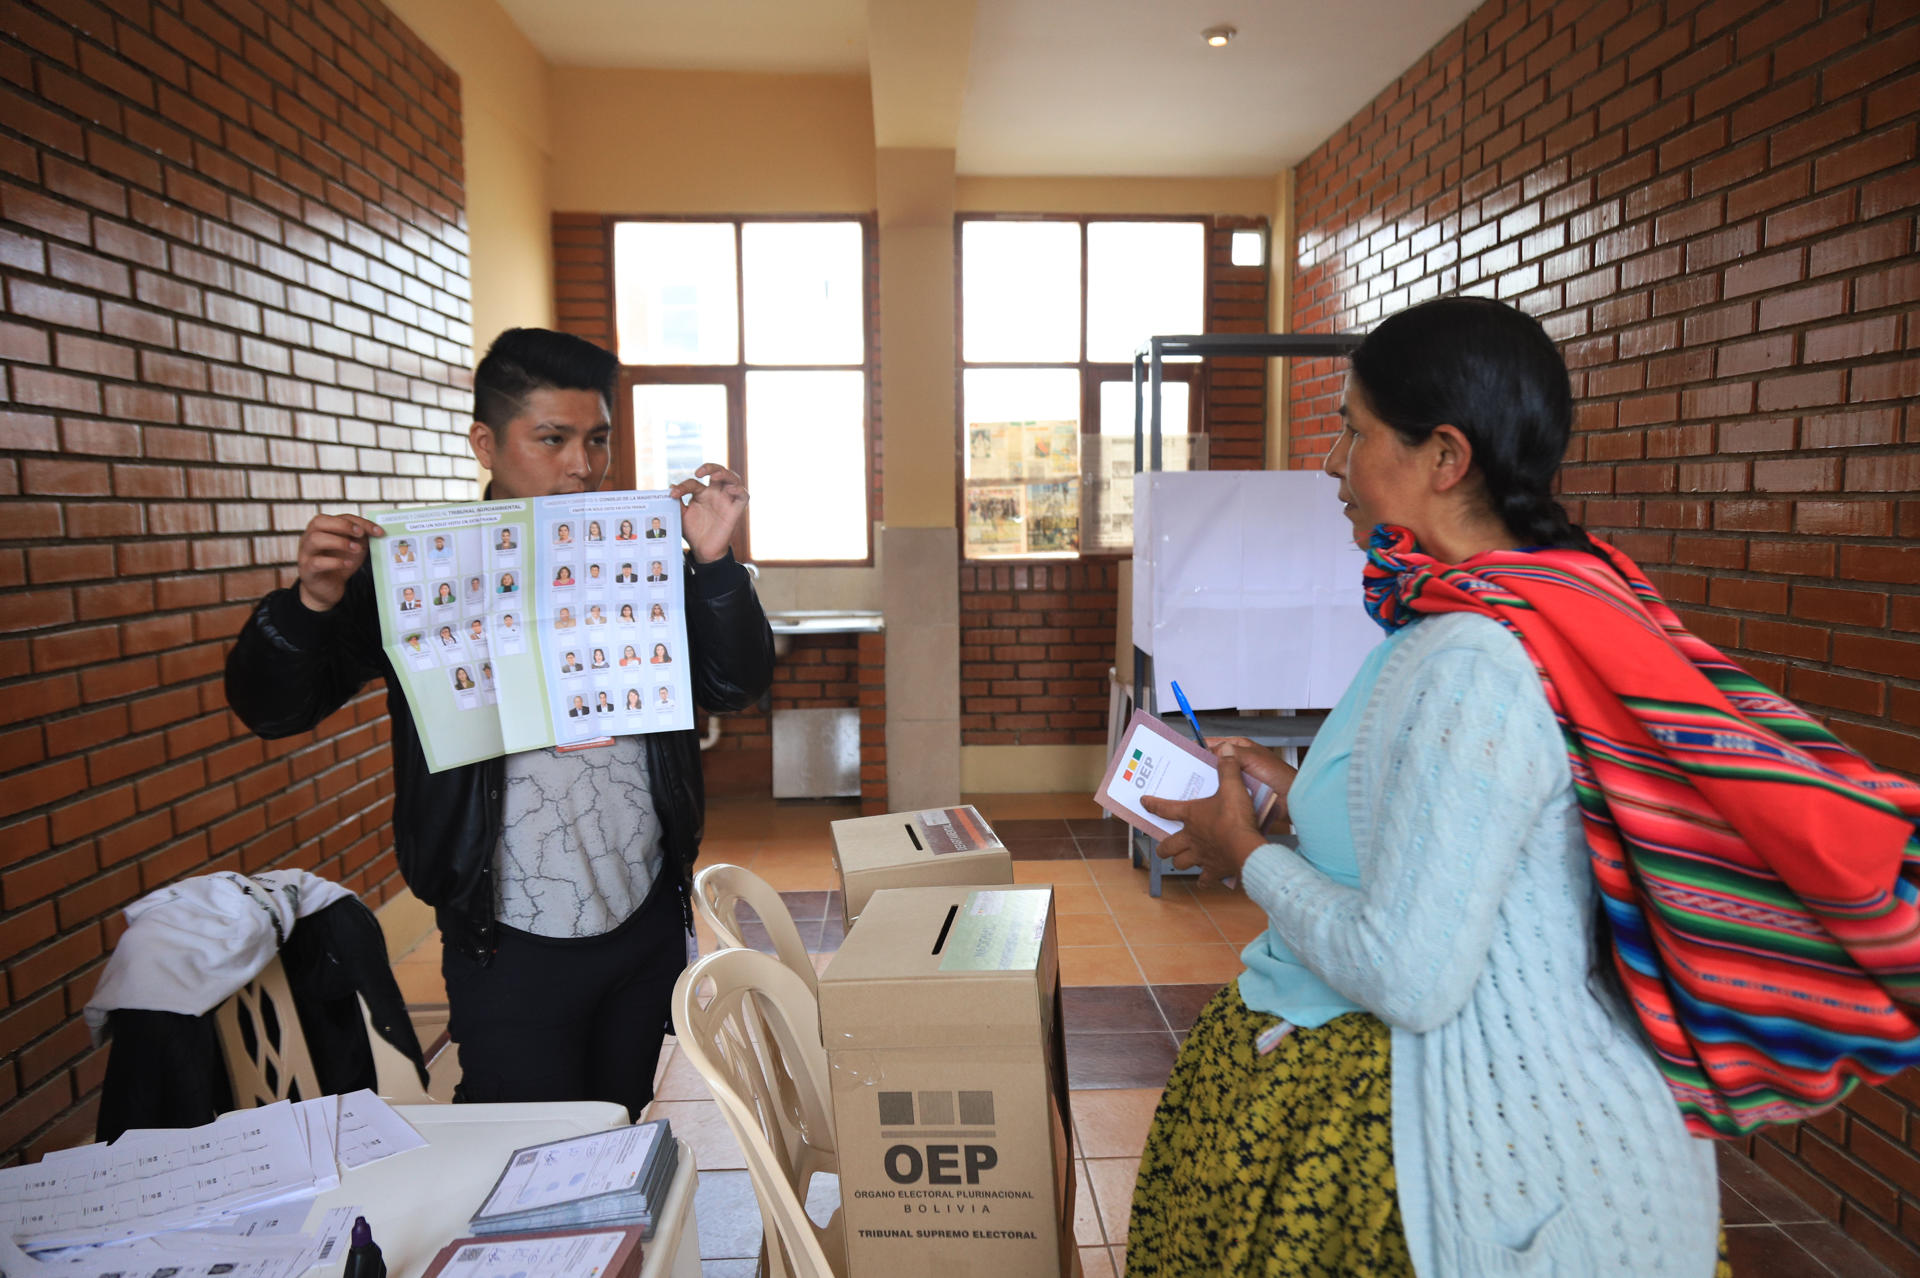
{"x":363,"y":1257}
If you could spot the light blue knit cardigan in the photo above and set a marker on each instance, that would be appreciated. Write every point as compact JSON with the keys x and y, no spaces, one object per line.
{"x":1532,"y":1134}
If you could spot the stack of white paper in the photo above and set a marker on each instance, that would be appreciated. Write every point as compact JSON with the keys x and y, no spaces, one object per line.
{"x":236,"y":1190}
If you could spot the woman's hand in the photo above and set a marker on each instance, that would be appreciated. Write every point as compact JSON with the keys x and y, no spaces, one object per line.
{"x":1264,"y":766}
{"x":1219,"y":832}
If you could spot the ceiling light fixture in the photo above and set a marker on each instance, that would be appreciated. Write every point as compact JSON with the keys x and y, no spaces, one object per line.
{"x":1218,"y":36}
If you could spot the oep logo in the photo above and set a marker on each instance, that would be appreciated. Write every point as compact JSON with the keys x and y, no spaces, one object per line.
{"x":1138,"y":770}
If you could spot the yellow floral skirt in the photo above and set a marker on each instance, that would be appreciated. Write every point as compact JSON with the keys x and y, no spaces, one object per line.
{"x":1279,"y":1164}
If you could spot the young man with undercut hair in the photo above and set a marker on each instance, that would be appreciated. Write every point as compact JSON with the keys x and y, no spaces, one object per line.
{"x":561,"y":880}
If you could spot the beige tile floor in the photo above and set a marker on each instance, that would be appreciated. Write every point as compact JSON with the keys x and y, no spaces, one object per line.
{"x":1120,"y":951}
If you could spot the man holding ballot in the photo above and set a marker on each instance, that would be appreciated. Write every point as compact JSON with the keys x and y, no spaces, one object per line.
{"x":560,"y":878}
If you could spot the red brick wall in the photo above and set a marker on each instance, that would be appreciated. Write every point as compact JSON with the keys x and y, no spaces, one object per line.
{"x":1711,"y":206}
{"x":819,"y":672}
{"x":1036,"y":640}
{"x":1236,"y":405}
{"x":232,"y":242}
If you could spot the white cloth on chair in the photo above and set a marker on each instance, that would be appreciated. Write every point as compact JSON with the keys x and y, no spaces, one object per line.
{"x":191,"y":945}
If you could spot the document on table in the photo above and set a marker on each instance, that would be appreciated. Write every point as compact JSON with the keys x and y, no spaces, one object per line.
{"x":151,"y":1182}
{"x":1154,"y":761}
{"x":370,"y":1130}
{"x":240,"y":1185}
{"x":192,"y":1254}
{"x":572,"y":1255}
{"x":570,"y":1170}
{"x":514,"y":625}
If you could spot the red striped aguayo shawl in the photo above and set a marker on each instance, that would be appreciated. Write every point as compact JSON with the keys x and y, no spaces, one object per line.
{"x":1759,"y":876}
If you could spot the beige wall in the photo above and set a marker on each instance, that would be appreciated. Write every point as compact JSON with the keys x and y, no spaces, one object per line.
{"x":1248,"y":197}
{"x":507,"y":112}
{"x":510,"y":223}
{"x":647,"y":141}
{"x":1279,"y":315}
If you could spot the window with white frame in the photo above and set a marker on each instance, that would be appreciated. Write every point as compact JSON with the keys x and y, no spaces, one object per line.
{"x":1051,"y":312}
{"x":744,"y":341}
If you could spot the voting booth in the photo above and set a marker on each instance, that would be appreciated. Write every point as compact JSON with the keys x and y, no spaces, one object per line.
{"x":1247,"y":589}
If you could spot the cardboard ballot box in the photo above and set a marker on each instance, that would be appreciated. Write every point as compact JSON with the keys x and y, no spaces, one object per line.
{"x":938,"y":847}
{"x":941,"y":1018}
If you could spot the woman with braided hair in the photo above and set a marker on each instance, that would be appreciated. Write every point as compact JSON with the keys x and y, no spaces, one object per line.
{"x":1564,"y":877}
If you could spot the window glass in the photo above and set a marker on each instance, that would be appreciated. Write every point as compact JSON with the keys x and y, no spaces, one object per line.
{"x":1116,"y":408}
{"x":676,"y":429}
{"x":1022,"y":461}
{"x":1144,"y":279}
{"x":803,"y":292}
{"x":675,"y":298}
{"x":1020,"y":292}
{"x":806,"y":440}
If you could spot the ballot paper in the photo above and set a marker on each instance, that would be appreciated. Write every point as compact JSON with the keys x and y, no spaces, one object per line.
{"x":1155,"y":761}
{"x":149,"y":1182}
{"x":370,"y":1130}
{"x":552,"y":621}
{"x":228,"y":1198}
{"x":274,"y":1253}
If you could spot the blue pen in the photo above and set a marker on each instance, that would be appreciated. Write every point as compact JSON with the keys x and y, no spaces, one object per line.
{"x":1187,"y":710}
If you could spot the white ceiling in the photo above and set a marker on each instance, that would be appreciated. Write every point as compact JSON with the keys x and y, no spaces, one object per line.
{"x":1128,"y":88}
{"x":709,"y":35}
{"x":1060,"y":87}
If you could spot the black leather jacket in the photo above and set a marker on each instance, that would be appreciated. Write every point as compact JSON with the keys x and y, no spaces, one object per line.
{"x":292,"y":667}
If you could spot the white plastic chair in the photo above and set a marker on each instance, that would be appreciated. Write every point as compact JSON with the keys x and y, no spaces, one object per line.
{"x":718,"y":892}
{"x":756,"y":1043}
{"x":264,"y":1046}
{"x":266,"y":1050}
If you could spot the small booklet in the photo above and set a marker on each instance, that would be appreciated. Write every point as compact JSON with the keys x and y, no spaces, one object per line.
{"x":613,"y":1252}
{"x":1155,"y":760}
{"x":617,"y":1177}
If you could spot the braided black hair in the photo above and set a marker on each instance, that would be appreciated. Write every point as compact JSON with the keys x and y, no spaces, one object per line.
{"x":1492,"y":372}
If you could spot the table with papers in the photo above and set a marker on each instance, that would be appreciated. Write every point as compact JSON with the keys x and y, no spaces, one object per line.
{"x":272,"y":1192}
{"x":228,"y":1197}
{"x":419,"y":1202}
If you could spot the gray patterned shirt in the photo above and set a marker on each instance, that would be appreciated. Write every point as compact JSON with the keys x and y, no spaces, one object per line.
{"x":579,"y":840}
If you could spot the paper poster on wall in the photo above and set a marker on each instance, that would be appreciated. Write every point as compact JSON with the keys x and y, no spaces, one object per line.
{"x":996,"y":520}
{"x":514,"y":625}
{"x":992,"y":449}
{"x":1051,"y":450}
{"x":1053,"y":517}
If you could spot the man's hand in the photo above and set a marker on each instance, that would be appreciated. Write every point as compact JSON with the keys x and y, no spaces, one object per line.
{"x":1262,"y":765}
{"x":709,"y":519}
{"x":1218,"y":834}
{"x":331,"y":550}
